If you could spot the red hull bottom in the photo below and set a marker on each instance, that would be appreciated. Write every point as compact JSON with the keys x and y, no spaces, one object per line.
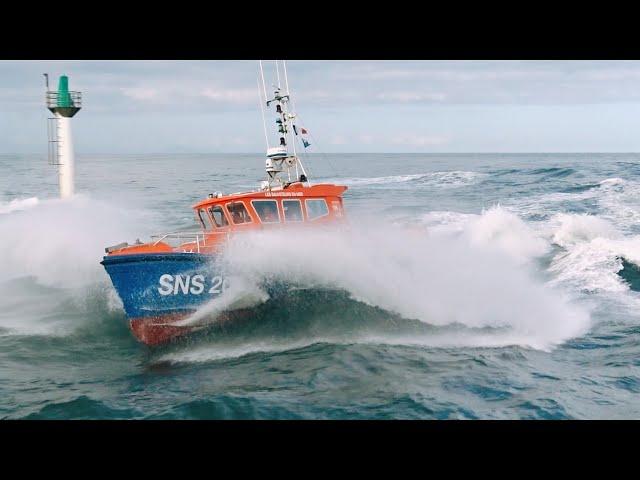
{"x":158,"y":330}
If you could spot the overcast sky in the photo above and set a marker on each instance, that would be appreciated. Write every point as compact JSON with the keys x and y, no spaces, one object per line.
{"x":349,"y":106}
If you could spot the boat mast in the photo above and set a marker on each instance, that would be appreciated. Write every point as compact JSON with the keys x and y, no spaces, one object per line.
{"x":264,"y":122}
{"x":293,"y":140}
{"x":279,"y":158}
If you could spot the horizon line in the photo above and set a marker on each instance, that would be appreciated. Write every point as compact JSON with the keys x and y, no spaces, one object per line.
{"x":346,"y":153}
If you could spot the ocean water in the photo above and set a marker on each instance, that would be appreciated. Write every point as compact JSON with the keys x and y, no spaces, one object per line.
{"x":466,"y":286}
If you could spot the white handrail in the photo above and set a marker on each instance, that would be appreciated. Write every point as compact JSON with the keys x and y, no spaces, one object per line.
{"x":197,"y":237}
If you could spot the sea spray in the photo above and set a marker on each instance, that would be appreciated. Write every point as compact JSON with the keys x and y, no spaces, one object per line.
{"x":571,"y":229}
{"x":17,"y":205}
{"x":52,"y":251}
{"x":243,"y":292}
{"x":437,"y":280}
{"x":502,"y":230}
{"x":61,"y":242}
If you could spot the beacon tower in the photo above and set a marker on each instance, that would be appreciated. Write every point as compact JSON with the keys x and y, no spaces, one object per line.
{"x":64,"y":104}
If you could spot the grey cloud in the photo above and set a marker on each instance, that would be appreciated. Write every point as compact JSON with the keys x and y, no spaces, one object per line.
{"x":353,"y":102}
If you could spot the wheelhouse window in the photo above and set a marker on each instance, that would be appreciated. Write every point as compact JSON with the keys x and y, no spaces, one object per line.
{"x":201,"y":214}
{"x":267,"y":210}
{"x":238,"y":213}
{"x":316,"y":208}
{"x":292,"y":210}
{"x":219,"y":218}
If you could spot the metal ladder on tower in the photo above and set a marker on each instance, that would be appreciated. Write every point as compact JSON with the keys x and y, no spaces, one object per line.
{"x":53,"y":153}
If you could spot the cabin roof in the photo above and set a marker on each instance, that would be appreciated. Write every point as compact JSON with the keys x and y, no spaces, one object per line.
{"x":295,"y":190}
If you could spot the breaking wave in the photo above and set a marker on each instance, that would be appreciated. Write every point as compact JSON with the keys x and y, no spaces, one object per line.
{"x":592,"y":254}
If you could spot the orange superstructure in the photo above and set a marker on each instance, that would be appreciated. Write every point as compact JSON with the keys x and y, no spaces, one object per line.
{"x":219,"y":216}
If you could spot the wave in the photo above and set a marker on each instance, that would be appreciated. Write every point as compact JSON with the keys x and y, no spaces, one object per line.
{"x":18,"y":204}
{"x":445,"y":179}
{"x":571,"y":229}
{"x":439,"y":281}
{"x":553,"y":172}
{"x":615,"y":199}
{"x":630,"y":273}
{"x":495,"y":228}
{"x":592,"y":253}
{"x":502,"y":230}
{"x":303,"y":323}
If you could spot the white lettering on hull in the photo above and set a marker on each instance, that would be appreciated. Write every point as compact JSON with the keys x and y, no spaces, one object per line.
{"x":187,"y":284}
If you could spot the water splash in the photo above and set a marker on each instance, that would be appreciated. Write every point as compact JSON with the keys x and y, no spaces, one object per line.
{"x":18,"y":204}
{"x":60,"y":242}
{"x":439,"y":281}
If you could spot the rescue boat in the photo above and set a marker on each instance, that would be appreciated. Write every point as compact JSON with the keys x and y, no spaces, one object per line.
{"x":163,"y":282}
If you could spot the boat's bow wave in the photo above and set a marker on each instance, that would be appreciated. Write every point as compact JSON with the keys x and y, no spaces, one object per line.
{"x":438,"y":281}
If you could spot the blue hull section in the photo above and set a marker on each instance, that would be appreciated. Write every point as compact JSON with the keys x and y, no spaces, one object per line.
{"x":152,"y":285}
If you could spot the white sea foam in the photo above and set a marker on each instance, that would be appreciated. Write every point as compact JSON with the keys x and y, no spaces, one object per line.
{"x":498,"y":228}
{"x":51,"y":255}
{"x":617,"y":200}
{"x":61,"y":242}
{"x":612,"y":181}
{"x":448,"y":338}
{"x":440,"y":281}
{"x":592,"y":252}
{"x":592,"y":246}
{"x":445,"y":179}
{"x":446,"y":222}
{"x":208,"y":353}
{"x":18,"y":205}
{"x":243,"y":292}
{"x":571,"y":229}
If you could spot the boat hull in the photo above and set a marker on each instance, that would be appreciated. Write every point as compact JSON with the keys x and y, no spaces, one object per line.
{"x":158,"y":329}
{"x":159,"y":290}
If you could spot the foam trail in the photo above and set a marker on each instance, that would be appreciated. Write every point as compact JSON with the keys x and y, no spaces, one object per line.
{"x":225,"y":352}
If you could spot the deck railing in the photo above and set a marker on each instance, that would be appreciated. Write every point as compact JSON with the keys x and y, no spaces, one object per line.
{"x":73,"y":99}
{"x":180,"y":238}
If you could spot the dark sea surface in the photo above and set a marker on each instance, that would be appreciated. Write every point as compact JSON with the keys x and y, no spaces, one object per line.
{"x":468,"y":286}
